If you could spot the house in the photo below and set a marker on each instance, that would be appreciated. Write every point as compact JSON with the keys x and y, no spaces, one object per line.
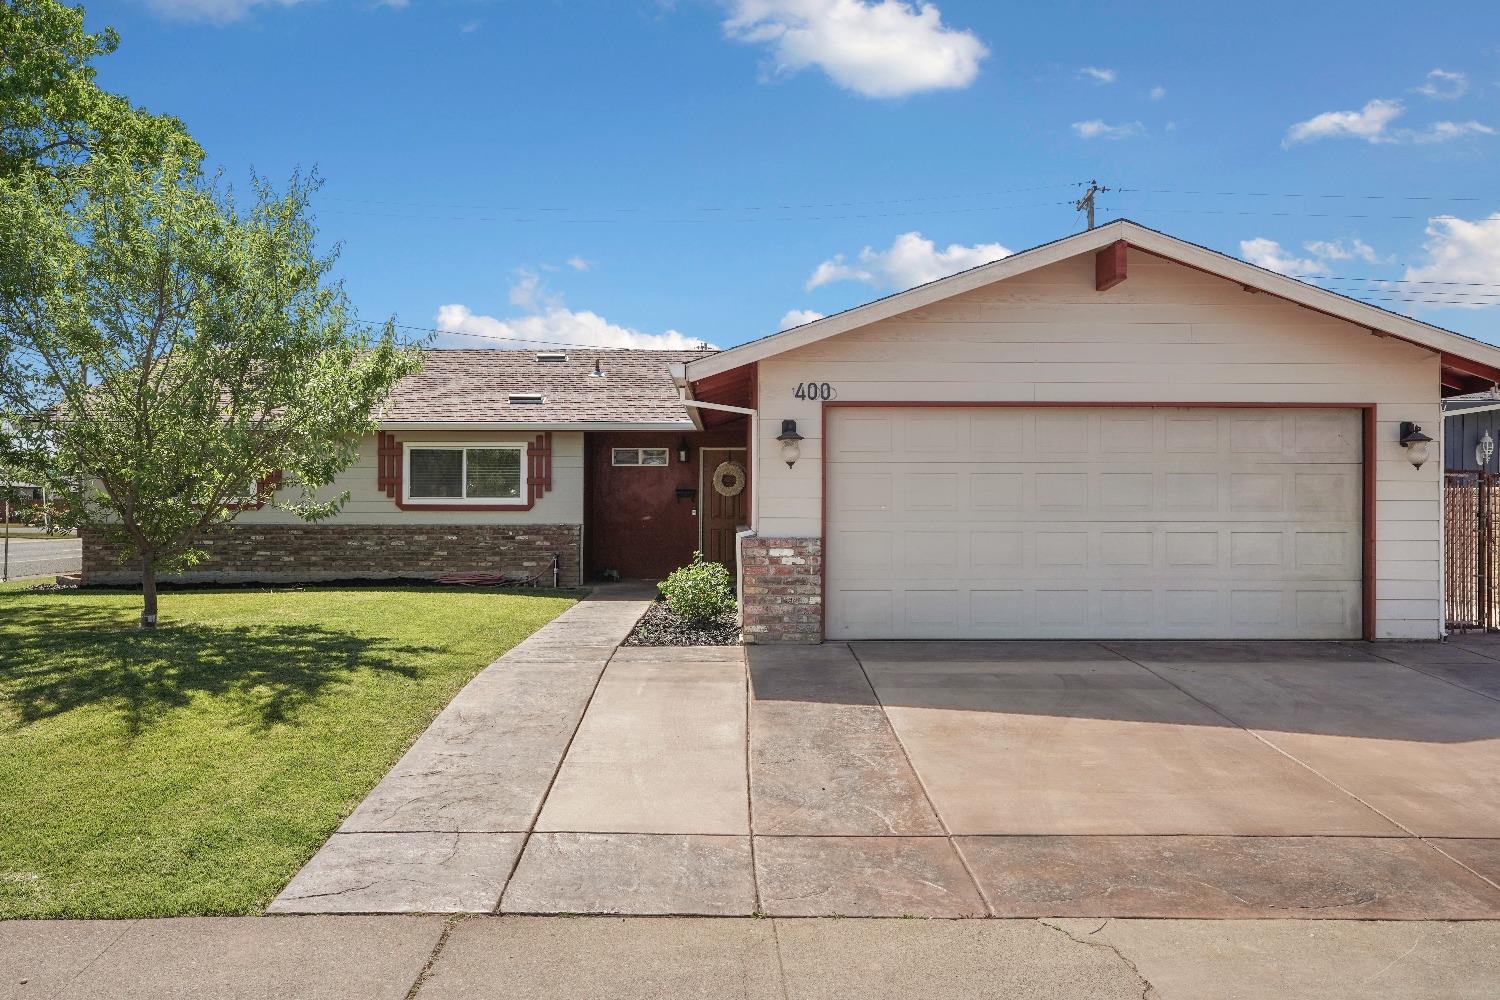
{"x":1119,"y":434}
{"x":546,"y":466}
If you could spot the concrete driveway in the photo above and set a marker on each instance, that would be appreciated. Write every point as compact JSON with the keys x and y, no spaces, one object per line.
{"x":1021,"y":779}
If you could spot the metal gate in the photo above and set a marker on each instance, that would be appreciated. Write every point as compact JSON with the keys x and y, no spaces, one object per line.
{"x":1471,"y":542}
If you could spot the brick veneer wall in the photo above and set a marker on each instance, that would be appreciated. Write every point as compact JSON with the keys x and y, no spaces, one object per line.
{"x":275,"y":553}
{"x":782,"y":589}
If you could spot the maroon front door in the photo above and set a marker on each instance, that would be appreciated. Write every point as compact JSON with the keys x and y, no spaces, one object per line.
{"x":725,"y":502}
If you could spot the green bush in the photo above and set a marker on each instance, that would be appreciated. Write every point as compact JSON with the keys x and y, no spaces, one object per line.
{"x":700,"y":591}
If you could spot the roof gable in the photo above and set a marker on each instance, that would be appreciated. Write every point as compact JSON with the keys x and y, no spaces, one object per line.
{"x":1467,"y":362}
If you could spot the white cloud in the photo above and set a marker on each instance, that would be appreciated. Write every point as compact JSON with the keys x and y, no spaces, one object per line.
{"x":548,"y":320}
{"x":834,"y":269}
{"x":1443,"y":131}
{"x":1269,"y":254}
{"x":528,"y":292}
{"x":1368,"y":123}
{"x":910,"y":260}
{"x":1342,"y":249}
{"x":556,"y":325}
{"x":469,"y":27}
{"x":1094,"y":128}
{"x":1158,"y":92}
{"x":879,"y":48}
{"x":579,"y":264}
{"x":1099,"y":74}
{"x":1372,"y":124}
{"x":1443,"y":85}
{"x":213,"y":11}
{"x":1462,"y":252}
{"x":796,"y":317}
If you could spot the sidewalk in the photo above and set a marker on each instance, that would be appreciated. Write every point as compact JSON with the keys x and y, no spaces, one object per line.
{"x":578,"y":958}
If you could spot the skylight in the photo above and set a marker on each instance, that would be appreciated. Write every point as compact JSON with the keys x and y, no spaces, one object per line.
{"x":526,"y":399}
{"x":551,"y":357}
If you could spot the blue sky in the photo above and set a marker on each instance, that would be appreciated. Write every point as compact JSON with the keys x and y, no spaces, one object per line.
{"x":618,"y":172}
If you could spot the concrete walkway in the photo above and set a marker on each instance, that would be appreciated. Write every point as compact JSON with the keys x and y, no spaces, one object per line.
{"x":940,"y":779}
{"x":561,"y":958}
{"x":443,"y":830}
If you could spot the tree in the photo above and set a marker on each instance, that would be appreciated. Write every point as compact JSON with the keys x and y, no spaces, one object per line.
{"x":168,"y":350}
{"x":53,"y":115}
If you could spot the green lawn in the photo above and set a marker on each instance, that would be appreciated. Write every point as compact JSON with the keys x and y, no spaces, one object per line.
{"x":193,"y":770}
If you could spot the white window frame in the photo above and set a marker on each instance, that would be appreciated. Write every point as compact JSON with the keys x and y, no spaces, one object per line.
{"x":640,"y":458}
{"x":407,"y":447}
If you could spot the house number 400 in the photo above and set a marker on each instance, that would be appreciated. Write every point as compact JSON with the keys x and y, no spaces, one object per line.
{"x":813,"y":390}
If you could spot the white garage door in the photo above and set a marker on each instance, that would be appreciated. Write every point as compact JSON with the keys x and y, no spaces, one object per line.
{"x":1007,"y":522}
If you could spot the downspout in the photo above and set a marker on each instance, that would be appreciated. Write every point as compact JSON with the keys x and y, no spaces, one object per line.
{"x":685,"y":397}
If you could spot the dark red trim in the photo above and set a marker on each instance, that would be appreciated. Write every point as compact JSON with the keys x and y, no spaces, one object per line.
{"x":264,"y":487}
{"x":1367,"y":513}
{"x":1109,"y":266}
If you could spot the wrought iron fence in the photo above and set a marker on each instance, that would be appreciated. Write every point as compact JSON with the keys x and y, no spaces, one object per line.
{"x":1471,"y":541}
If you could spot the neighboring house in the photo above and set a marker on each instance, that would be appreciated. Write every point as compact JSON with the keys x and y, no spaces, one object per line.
{"x":1467,"y":421}
{"x":19,"y":498}
{"x":1116,"y":435}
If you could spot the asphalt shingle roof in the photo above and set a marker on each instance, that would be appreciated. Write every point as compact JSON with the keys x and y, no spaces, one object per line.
{"x":474,"y":385}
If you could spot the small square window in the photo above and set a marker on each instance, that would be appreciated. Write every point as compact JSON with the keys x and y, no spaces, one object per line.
{"x":641,"y":456}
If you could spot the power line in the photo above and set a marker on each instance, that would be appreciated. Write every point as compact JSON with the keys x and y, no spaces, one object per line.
{"x":1392,"y":281}
{"x":1301,"y":194}
{"x":518,"y":220}
{"x":708,"y":208}
{"x":1312,"y":215}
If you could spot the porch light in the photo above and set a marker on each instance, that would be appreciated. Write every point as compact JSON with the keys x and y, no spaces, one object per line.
{"x":1484,"y":451}
{"x":1415,"y":442}
{"x":683,"y":451}
{"x":791,"y":447}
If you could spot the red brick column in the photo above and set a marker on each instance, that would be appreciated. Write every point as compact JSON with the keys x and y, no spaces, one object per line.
{"x":782,"y":581}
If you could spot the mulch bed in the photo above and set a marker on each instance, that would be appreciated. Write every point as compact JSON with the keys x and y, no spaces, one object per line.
{"x":660,"y":626}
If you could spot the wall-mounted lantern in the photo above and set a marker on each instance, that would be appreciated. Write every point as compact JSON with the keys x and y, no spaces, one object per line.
{"x":791,"y":446}
{"x":1415,"y":442}
{"x":1484,"y":451}
{"x":683,"y":451}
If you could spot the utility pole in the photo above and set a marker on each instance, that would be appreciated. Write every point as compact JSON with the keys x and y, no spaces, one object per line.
{"x":1086,"y":203}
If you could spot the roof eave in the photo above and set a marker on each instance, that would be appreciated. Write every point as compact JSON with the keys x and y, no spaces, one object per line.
{"x":1138,"y":236}
{"x":536,"y":425}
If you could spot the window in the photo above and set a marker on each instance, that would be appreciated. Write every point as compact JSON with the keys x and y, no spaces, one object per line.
{"x":453,"y":472}
{"x":641,"y":456}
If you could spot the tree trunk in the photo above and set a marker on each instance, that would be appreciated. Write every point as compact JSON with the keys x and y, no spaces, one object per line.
{"x":148,"y":593}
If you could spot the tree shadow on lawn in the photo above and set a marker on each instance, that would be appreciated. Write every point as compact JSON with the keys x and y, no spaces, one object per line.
{"x":57,"y":659}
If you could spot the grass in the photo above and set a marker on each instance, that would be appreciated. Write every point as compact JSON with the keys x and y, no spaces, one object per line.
{"x":193,"y":770}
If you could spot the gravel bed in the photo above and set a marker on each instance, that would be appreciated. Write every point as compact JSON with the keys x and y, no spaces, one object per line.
{"x":661,"y":627}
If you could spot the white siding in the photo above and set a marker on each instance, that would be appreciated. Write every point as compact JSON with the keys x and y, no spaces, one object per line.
{"x":1168,"y":334}
{"x":369,"y":505}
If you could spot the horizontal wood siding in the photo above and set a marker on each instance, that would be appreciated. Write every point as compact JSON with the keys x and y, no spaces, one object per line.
{"x":1167,"y":334}
{"x":368,"y":504}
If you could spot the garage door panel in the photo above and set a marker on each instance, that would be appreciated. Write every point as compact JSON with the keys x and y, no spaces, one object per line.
{"x":1248,"y":552}
{"x":1222,"y":523}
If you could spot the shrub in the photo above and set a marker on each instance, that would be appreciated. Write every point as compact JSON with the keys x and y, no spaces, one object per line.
{"x":699,"y":591}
